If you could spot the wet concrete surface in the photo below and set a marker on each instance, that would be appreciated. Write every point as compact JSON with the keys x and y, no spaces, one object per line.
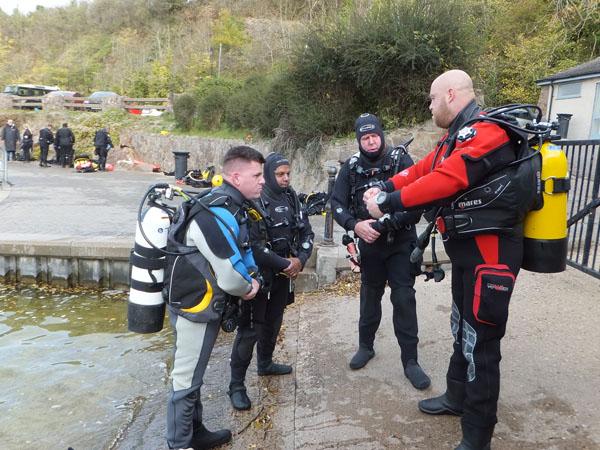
{"x":55,"y":203}
{"x":550,"y":377}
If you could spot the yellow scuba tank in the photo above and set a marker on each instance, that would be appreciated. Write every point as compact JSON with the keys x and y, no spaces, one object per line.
{"x":545,"y":232}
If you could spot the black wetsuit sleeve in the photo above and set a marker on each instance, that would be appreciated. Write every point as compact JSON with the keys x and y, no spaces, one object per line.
{"x":305,"y":240}
{"x":263,"y":256}
{"x":340,"y":199}
{"x":401,"y":218}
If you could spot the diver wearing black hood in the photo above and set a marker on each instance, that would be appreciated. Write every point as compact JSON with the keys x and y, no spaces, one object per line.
{"x":384,"y":253}
{"x":281,"y":244}
{"x":369,"y":124}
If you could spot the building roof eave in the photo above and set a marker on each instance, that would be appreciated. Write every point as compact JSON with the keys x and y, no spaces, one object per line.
{"x":546,"y":81}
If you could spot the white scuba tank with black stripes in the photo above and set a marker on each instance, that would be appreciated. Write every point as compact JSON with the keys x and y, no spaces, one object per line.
{"x":146,"y":307}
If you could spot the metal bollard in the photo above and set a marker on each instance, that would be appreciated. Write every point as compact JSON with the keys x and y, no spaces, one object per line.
{"x":328,"y":232}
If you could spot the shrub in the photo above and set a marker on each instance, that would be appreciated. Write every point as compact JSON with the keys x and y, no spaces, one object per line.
{"x":184,"y":110}
{"x":212,"y":95}
{"x":381,"y":61}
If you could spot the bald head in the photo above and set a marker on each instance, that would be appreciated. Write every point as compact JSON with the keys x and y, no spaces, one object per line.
{"x":455,"y":79}
{"x":449,"y":94}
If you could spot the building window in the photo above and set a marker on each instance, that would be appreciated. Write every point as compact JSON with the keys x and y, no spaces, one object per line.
{"x":595,"y":128}
{"x":568,"y":90}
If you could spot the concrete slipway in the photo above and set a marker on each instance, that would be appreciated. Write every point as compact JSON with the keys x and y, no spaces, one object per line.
{"x":550,"y":397}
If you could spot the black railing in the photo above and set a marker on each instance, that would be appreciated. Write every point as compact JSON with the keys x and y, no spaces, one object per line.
{"x":584,"y":219}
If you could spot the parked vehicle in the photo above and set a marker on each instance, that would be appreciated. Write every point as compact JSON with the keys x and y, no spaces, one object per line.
{"x":64,"y":94}
{"x":28,"y":90}
{"x":69,"y":96}
{"x":96,"y":98}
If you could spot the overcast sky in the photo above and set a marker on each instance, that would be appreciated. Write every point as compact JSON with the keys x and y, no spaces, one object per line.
{"x":26,"y":6}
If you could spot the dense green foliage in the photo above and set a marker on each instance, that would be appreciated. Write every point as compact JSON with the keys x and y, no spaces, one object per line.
{"x":297,"y":70}
{"x":184,"y":108}
{"x":542,"y":37}
{"x":381,"y":61}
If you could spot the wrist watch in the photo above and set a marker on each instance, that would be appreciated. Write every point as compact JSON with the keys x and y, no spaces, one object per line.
{"x":383,"y":201}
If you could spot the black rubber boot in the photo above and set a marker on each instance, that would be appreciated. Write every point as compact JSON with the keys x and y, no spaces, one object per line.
{"x":274,"y":369}
{"x":204,"y":439}
{"x":239,"y":398}
{"x":475,"y":438}
{"x":451,"y":402}
{"x":361,"y":358}
{"x":416,"y":375}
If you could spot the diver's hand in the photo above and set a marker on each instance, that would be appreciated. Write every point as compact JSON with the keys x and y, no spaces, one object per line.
{"x":370,"y":193}
{"x":250,"y":295}
{"x":373,"y":208}
{"x":365,"y":231}
{"x":294,"y":268}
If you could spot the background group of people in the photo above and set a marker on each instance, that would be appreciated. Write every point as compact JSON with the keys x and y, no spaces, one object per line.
{"x":62,"y":141}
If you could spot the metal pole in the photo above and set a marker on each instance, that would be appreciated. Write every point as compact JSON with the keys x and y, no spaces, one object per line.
{"x":328,"y":233}
{"x":4,"y":169}
{"x":219,"y":66}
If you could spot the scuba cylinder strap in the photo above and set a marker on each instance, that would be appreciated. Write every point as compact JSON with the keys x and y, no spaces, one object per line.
{"x":146,"y":287}
{"x":145,"y":262}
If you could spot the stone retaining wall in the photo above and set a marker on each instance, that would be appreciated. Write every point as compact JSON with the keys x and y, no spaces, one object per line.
{"x":106,"y":266}
{"x":308,"y":174}
{"x":66,"y":264}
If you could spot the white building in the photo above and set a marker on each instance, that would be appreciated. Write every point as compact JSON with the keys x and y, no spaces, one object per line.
{"x":575,"y":91}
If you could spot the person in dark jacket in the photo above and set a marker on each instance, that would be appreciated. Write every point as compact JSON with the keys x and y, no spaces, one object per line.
{"x":27,"y":143}
{"x":485,"y":253}
{"x":385,"y":247}
{"x":11,"y":137}
{"x":282,"y":242}
{"x":102,"y":143}
{"x":46,"y":138}
{"x":65,"y":139}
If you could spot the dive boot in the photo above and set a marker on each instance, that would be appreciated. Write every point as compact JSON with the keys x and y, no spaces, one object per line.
{"x":451,"y":402}
{"x":239,"y":398}
{"x":274,"y":369}
{"x":204,"y":439}
{"x":361,"y":358}
{"x":416,"y":375}
{"x":475,"y":438}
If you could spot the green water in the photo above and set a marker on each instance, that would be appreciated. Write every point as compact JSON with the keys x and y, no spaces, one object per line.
{"x":72,"y":374}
